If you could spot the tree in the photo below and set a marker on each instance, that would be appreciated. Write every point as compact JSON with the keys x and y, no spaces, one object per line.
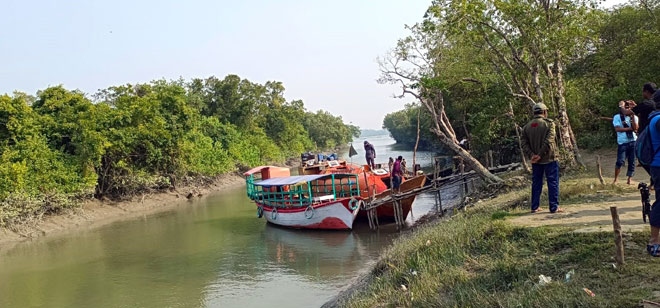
{"x":412,"y":65}
{"x":526,"y":43}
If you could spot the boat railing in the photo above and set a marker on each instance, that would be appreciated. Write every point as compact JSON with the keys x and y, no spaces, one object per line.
{"x":322,"y":190}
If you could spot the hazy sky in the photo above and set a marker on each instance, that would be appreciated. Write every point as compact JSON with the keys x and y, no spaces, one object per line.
{"x":323,"y":51}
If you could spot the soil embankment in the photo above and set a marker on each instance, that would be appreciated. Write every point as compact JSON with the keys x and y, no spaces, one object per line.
{"x":94,"y":213}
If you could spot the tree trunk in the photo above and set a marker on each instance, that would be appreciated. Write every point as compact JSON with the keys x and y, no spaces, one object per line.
{"x":447,"y":136}
{"x":523,"y":159}
{"x":565,"y":131}
{"x":468,"y":159}
{"x":464,"y":122}
{"x":517,"y":129}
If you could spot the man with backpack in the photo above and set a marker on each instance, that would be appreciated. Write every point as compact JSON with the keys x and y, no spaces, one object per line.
{"x":643,"y":109}
{"x":648,"y":152}
{"x":626,"y":128}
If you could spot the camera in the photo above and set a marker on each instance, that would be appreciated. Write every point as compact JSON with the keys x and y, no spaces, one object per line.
{"x":646,"y":202}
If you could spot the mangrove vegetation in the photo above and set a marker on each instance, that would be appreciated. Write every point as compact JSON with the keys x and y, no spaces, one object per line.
{"x":478,"y":66}
{"x":62,"y":146}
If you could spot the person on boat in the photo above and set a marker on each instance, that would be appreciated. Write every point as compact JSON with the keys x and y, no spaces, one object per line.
{"x":538,"y":143}
{"x":370,"y":154}
{"x":397,"y":173}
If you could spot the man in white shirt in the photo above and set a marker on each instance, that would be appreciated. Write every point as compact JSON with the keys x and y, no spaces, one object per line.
{"x":625,"y":127}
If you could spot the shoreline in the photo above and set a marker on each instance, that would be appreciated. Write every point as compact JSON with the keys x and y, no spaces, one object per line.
{"x":95,"y":213}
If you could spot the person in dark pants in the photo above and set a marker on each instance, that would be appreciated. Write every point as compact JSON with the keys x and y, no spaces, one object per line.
{"x":397,"y":173}
{"x":370,"y":154}
{"x":538,"y":141}
{"x":642,"y":110}
{"x":626,"y":127}
{"x":653,"y":247}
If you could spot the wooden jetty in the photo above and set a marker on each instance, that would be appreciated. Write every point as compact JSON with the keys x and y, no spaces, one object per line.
{"x":434,"y":184}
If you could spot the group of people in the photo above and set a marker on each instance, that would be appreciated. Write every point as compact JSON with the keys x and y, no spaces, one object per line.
{"x":631,"y":119}
{"x":539,"y":145}
{"x":397,"y":166}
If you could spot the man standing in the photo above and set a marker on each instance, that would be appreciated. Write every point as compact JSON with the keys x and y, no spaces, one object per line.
{"x":397,"y":173}
{"x":653,"y":246}
{"x":370,"y":154}
{"x":644,"y":108}
{"x":538,"y":140}
{"x":625,"y":127}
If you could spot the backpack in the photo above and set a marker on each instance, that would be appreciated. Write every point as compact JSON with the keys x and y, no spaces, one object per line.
{"x":644,"y":147}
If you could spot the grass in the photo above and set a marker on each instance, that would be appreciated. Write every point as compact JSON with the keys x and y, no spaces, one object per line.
{"x":479,"y":259}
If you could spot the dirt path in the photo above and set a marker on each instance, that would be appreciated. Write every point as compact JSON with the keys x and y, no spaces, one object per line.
{"x":608,"y":159}
{"x":595,"y":216}
{"x":590,"y":217}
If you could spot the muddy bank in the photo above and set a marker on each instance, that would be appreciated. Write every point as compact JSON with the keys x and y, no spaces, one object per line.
{"x":95,"y":213}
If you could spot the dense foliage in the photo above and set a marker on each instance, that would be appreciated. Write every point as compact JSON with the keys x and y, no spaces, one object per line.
{"x":61,"y":145}
{"x":607,"y":54}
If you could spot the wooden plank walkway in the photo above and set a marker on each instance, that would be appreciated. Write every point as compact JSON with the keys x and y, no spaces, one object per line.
{"x":440,"y":183}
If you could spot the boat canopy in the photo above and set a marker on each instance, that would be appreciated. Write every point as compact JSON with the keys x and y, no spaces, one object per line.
{"x":291,"y":180}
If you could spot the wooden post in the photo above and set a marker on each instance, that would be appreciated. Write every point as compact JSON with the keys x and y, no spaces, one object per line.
{"x":618,"y":236}
{"x":600,"y":170}
{"x":436,"y":188}
{"x":461,"y":168}
{"x":490,"y":159}
{"x":398,"y":214}
{"x":419,"y":110}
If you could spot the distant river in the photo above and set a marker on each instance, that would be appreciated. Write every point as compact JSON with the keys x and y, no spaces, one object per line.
{"x":212,"y":252}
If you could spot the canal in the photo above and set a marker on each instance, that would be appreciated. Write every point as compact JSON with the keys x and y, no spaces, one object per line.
{"x":211,"y":252}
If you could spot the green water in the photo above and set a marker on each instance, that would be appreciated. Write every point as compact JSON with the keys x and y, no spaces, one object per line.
{"x":212,"y":252}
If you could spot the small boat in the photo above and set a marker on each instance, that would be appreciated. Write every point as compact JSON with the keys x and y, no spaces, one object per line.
{"x":327,"y":195}
{"x":320,"y":201}
{"x":386,"y":211}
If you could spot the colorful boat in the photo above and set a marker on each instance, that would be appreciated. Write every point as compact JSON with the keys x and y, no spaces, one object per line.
{"x":321,"y":201}
{"x":375,"y":185}
{"x":328,"y":195}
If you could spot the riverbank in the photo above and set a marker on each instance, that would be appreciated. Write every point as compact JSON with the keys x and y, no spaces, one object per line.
{"x":492,"y":254}
{"x":94,"y":213}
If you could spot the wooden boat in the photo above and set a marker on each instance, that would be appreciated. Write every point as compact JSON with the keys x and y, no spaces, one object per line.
{"x":321,"y":201}
{"x":386,"y":211}
{"x":325,"y":196}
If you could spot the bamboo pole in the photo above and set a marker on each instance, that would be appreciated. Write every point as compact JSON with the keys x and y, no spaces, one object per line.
{"x":600,"y":170}
{"x":419,"y":110}
{"x":618,"y":236}
{"x":464,"y":186}
{"x":436,"y":188}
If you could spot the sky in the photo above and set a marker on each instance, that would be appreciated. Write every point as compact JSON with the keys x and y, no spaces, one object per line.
{"x":324,"y":52}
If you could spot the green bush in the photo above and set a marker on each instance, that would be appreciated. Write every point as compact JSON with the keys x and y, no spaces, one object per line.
{"x":60,"y":145}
